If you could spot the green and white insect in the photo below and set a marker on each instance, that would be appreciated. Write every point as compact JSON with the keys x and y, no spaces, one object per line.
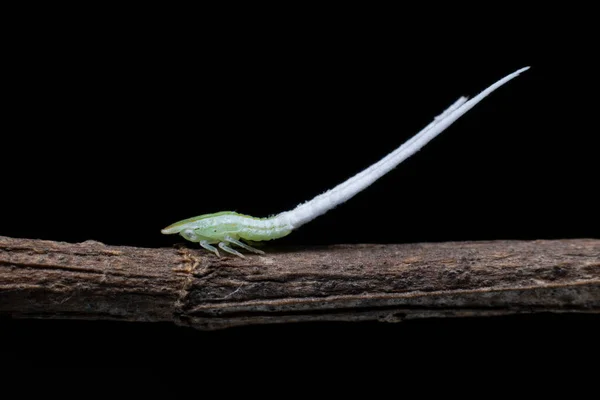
{"x":227,"y":228}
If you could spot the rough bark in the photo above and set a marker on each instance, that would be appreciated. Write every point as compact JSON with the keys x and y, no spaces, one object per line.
{"x":89,"y":280}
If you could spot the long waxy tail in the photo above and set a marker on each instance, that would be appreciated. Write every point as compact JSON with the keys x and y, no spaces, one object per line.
{"x":310,"y":210}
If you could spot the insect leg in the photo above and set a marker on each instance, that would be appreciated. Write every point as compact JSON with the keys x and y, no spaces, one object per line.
{"x":228,"y":249}
{"x":208,"y":247}
{"x":243,"y":245}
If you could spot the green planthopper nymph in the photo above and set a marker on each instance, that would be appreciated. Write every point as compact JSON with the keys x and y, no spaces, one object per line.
{"x":227,"y":228}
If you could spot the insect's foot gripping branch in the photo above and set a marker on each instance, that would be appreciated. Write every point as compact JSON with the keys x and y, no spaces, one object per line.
{"x":210,"y":248}
{"x":223,"y":246}
{"x":243,"y":245}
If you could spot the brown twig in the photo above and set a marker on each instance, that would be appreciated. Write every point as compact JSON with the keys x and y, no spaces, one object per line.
{"x":44,"y":279}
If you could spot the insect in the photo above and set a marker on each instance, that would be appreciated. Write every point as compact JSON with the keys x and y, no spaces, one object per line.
{"x":227,"y":228}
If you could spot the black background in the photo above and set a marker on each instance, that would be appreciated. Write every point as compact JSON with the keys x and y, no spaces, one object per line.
{"x":116,"y":124}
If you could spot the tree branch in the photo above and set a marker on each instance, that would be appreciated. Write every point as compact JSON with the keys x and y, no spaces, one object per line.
{"x":44,"y":279}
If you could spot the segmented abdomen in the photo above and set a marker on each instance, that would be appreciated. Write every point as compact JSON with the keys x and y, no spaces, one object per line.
{"x":256,"y":229}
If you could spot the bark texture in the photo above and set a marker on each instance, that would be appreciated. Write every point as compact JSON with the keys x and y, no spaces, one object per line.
{"x":188,"y":286}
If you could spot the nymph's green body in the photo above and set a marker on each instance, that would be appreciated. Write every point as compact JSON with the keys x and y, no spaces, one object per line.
{"x":228,"y":226}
